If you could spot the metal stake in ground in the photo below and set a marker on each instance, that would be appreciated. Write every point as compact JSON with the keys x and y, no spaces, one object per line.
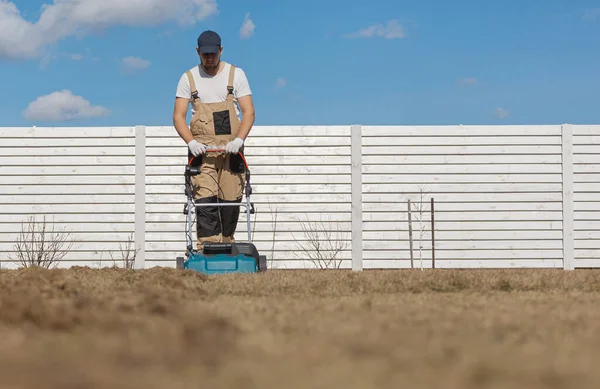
{"x":410,"y":236}
{"x":432,"y":236}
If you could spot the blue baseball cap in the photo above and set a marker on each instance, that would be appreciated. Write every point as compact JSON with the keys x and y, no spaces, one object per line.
{"x":209,"y":42}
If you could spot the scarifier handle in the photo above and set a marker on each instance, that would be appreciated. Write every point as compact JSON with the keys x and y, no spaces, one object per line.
{"x":196,"y":170}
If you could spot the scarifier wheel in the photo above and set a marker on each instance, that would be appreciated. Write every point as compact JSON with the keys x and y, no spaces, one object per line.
{"x":262,"y":263}
{"x":179,"y":263}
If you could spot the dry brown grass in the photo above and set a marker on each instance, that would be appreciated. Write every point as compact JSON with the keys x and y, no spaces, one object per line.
{"x":163,"y":328}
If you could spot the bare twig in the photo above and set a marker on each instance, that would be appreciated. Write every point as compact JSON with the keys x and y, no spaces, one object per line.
{"x":37,"y":246}
{"x":421,"y":208}
{"x":320,"y":244}
{"x":127,"y":254}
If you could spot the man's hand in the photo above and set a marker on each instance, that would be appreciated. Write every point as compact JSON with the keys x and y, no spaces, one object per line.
{"x":196,"y":148}
{"x":234,"y":146}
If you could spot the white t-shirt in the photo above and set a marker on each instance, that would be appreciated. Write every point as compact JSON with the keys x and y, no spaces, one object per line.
{"x":213,"y":89}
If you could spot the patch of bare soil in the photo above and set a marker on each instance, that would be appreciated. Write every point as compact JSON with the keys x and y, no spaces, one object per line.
{"x":164,"y":328}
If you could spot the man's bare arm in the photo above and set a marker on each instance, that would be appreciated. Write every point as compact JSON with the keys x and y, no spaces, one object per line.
{"x":247,"y":109}
{"x":179,"y":119}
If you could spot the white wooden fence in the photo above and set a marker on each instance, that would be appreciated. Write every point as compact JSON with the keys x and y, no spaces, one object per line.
{"x":503,"y":196}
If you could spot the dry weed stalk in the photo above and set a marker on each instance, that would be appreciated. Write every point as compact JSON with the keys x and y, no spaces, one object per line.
{"x":421,"y":208}
{"x":38,"y":246}
{"x":274,"y":227}
{"x":128,"y":254}
{"x":322,"y":248}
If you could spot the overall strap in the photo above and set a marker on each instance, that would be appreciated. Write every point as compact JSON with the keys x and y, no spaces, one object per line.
{"x":192,"y":85}
{"x":230,"y":83}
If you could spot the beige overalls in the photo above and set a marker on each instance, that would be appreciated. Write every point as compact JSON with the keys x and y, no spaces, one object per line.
{"x":222,"y":175}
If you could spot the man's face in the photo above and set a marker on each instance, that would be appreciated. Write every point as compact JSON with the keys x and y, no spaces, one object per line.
{"x":210,"y":61}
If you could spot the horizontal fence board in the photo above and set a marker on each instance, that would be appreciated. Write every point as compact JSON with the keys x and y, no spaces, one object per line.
{"x":588,"y":159}
{"x":449,"y":150}
{"x":466,"y":254}
{"x":67,"y":151}
{"x":85,"y":160}
{"x":67,"y":170}
{"x":462,"y":244}
{"x":71,"y":189}
{"x":66,"y":132}
{"x":593,"y":243}
{"x":585,"y":196}
{"x":472,"y":207}
{"x":447,"y":168}
{"x":38,"y":143}
{"x":583,"y":178}
{"x":472,"y":187}
{"x":587,"y":253}
{"x":460,"y":131}
{"x":40,"y":181}
{"x":420,"y":179}
{"x":587,"y":262}
{"x":72,"y":225}
{"x":49,"y":198}
{"x":78,"y":211}
{"x":446,"y":139}
{"x":497,"y":217}
{"x":76,"y":236}
{"x":401,"y":234}
{"x":589,"y":187}
{"x":77,"y":246}
{"x":465,"y":196}
{"x":585,"y":129}
{"x":586,"y":140}
{"x":587,"y":235}
{"x":441,"y":159}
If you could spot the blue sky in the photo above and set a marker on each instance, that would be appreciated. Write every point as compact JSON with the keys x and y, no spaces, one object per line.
{"x":308,"y":62}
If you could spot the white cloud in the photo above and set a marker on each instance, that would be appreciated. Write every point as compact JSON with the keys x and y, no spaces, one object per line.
{"x":280,"y":83}
{"x":131,"y":64}
{"x":62,"y":105}
{"x":22,"y":39}
{"x":391,"y":30}
{"x":591,"y":15}
{"x":247,"y":29}
{"x":500,"y":113}
{"x":468,"y":81}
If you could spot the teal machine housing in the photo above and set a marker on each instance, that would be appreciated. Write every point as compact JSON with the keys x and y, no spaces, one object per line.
{"x":220,"y":258}
{"x":216,"y":257}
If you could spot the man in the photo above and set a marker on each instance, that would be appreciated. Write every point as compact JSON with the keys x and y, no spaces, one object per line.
{"x":219,"y":92}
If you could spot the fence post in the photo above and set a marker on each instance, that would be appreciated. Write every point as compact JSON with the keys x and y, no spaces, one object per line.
{"x":140,"y":197}
{"x":568,"y":198}
{"x":356,"y":177}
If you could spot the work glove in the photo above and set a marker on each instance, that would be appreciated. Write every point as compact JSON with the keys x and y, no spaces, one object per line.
{"x":196,"y":148}
{"x":234,"y":146}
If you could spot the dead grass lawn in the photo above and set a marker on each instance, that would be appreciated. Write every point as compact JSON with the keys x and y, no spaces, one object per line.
{"x":163,"y":328}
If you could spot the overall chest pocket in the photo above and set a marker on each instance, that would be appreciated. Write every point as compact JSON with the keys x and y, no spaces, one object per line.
{"x":201,"y":123}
